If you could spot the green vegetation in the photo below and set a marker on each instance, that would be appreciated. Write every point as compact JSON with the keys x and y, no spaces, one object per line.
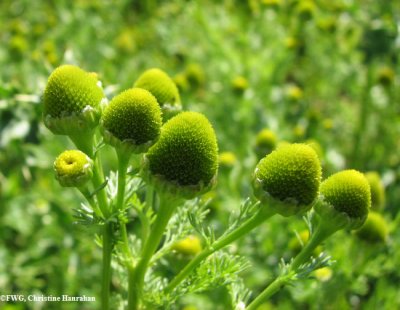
{"x":148,"y":149}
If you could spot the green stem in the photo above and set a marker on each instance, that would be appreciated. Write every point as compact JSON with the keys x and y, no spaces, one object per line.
{"x":143,"y":215}
{"x":98,"y":180}
{"x":321,"y":233}
{"x":106,"y":272}
{"x":136,"y":279}
{"x":270,"y":290}
{"x":242,"y":230}
{"x":123,"y":162}
{"x":316,"y":239}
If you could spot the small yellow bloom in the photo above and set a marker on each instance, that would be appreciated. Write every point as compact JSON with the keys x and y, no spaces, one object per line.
{"x":191,"y":245}
{"x":294,"y":93}
{"x":291,"y":42}
{"x":240,"y":84}
{"x":227,"y":159}
{"x":323,"y":274}
{"x":73,"y":168}
{"x":327,"y":123}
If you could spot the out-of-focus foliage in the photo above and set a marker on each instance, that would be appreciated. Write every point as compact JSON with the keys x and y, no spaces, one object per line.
{"x":326,"y":72}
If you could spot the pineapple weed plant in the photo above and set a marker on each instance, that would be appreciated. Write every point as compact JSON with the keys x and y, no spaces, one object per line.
{"x":167,"y":159}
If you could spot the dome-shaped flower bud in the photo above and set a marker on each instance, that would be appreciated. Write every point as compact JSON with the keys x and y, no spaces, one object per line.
{"x":163,"y":88}
{"x":323,"y":274}
{"x":73,"y":168}
{"x":184,"y":160}
{"x":227,"y":160}
{"x":377,"y":190}
{"x":239,"y":84}
{"x":374,"y":230}
{"x":266,"y":142}
{"x":190,"y":245}
{"x":288,"y":179}
{"x":294,"y":93}
{"x":132,"y":120}
{"x":347,"y":194}
{"x":71,"y":101}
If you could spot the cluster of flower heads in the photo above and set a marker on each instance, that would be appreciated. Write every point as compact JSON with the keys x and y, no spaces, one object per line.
{"x":182,"y":154}
{"x":289,"y":180}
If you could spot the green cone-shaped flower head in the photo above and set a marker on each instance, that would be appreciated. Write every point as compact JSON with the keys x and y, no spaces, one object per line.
{"x":377,"y":190}
{"x":347,"y":193}
{"x":71,"y":101}
{"x":265,"y":142}
{"x":374,"y":230}
{"x":184,"y":160}
{"x":73,"y":168}
{"x":163,"y":88}
{"x":132,"y":120}
{"x":288,"y":179}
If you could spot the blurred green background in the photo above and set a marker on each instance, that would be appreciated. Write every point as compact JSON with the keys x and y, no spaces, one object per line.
{"x":324,"y":72}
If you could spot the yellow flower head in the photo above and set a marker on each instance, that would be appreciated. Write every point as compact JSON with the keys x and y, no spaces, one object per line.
{"x":73,"y":168}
